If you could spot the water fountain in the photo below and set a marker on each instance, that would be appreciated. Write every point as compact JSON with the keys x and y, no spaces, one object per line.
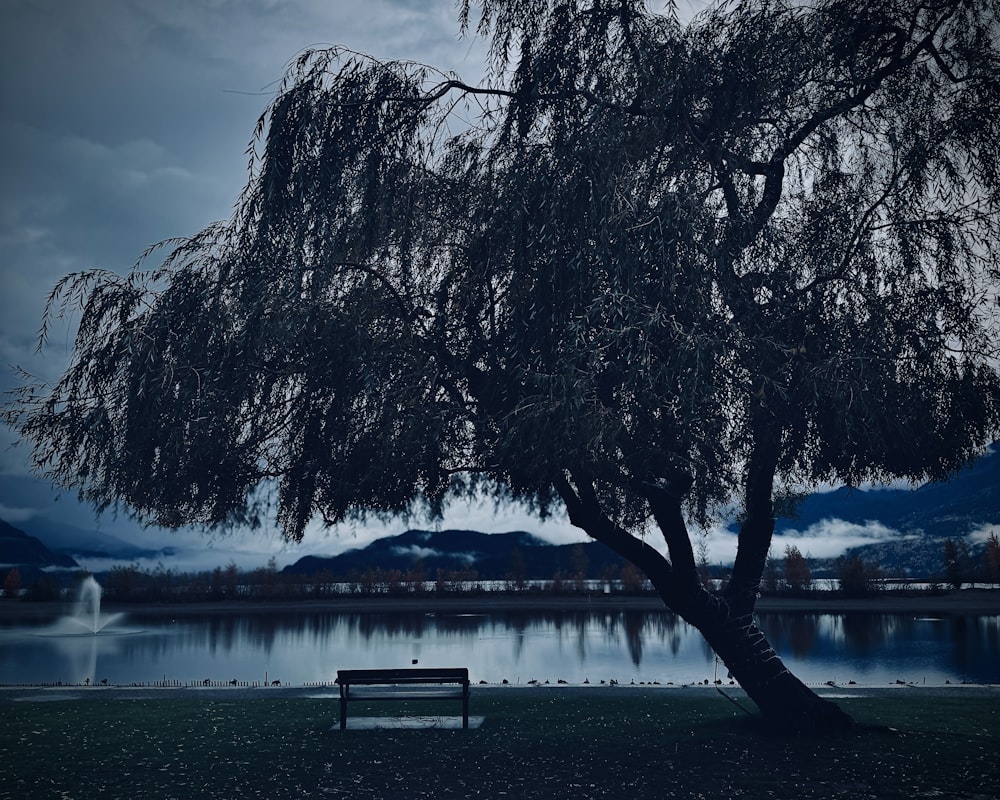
{"x":86,"y":619}
{"x":69,"y":650}
{"x":88,"y":607}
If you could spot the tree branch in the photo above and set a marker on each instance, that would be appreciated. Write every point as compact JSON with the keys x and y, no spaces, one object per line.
{"x":743,"y":229}
{"x":584,"y":510}
{"x":664,"y":499}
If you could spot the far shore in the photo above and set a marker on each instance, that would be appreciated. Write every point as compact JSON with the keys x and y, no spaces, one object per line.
{"x":961,"y":602}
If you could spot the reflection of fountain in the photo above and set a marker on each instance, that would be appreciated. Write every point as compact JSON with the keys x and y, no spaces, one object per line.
{"x":87,"y":619}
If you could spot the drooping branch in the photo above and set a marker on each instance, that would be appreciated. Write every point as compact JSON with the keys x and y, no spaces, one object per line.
{"x":408,"y":312}
{"x":899,"y":60}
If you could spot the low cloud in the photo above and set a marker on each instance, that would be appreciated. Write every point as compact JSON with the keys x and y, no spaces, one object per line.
{"x":980,"y":535}
{"x":181,"y":561}
{"x":416,"y":552}
{"x":829,"y":538}
{"x":14,"y":515}
{"x":477,"y":514}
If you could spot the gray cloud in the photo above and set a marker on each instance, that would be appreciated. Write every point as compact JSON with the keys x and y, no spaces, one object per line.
{"x":829,"y":538}
{"x":15,"y":514}
{"x":124,"y":122}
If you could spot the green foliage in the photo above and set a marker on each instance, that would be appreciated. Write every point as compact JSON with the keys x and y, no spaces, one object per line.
{"x":44,"y":589}
{"x":956,"y":561}
{"x":991,"y":559}
{"x":771,"y":575}
{"x":12,"y":583}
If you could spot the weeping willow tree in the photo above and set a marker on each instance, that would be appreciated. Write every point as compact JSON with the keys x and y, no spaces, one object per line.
{"x":647,"y":267}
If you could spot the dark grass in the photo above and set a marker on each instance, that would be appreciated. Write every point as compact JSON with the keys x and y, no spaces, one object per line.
{"x":531,"y":745}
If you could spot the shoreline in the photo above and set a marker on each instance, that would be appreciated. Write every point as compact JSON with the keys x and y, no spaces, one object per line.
{"x":41,"y":693}
{"x":974,"y":602}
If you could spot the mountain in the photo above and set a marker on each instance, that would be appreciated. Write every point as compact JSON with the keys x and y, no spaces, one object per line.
{"x":74,"y":538}
{"x":941,"y":509}
{"x":494,"y":556}
{"x":87,"y":543}
{"x":918,"y":521}
{"x":18,"y":549}
{"x":921,"y":518}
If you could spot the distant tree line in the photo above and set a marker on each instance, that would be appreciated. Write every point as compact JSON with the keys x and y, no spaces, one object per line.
{"x":132,"y":583}
{"x":790,"y":575}
{"x":33,"y":584}
{"x":857,"y":577}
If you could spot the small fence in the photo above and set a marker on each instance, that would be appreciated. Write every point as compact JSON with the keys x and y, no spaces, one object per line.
{"x":168,"y":683}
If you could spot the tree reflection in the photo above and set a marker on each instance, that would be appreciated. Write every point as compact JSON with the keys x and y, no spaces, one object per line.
{"x":792,"y":633}
{"x":866,"y":634}
{"x":600,"y":644}
{"x":634,"y":622}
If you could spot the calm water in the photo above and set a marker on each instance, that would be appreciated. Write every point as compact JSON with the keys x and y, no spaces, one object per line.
{"x":298,"y":648}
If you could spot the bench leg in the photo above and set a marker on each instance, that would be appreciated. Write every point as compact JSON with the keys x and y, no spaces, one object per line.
{"x":343,"y":713}
{"x":465,"y":712}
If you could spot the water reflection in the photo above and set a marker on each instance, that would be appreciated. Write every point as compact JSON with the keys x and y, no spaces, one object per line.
{"x":879,"y":648}
{"x":515,"y":645}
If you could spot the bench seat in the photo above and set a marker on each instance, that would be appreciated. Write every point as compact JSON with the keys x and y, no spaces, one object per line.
{"x":403,"y":684}
{"x":405,"y":693}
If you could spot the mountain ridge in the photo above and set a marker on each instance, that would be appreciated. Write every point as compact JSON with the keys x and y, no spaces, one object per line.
{"x":19,"y":549}
{"x":944,"y":509}
{"x":920,"y":519}
{"x":493,"y":556}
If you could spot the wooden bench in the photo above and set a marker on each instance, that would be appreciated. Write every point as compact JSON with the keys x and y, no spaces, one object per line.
{"x":403,"y":684}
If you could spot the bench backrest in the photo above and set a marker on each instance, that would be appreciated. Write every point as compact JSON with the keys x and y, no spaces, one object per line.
{"x":414,"y":675}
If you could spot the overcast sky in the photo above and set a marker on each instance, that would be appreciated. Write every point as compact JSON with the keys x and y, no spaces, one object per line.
{"x":125,"y":122}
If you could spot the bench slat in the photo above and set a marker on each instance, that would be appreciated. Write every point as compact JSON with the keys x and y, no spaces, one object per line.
{"x":421,"y":675}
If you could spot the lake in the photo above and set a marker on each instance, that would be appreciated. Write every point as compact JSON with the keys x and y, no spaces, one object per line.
{"x":307,"y":647}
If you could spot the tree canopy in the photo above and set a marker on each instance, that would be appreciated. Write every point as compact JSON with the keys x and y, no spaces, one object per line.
{"x":647,"y":267}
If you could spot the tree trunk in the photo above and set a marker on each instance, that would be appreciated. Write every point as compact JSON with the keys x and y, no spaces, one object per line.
{"x":726,"y":622}
{"x":782,"y":698}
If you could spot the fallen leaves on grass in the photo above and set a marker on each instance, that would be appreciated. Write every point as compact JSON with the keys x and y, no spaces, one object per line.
{"x":639,"y":745}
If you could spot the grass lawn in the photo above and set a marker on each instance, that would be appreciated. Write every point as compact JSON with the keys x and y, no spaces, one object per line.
{"x":544,"y":744}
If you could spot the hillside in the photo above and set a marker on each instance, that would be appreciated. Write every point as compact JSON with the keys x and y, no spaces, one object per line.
{"x":81,"y":538}
{"x":967,"y":502}
{"x":924,"y":517}
{"x":494,"y":556}
{"x":917,"y":521}
{"x":18,"y":549}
